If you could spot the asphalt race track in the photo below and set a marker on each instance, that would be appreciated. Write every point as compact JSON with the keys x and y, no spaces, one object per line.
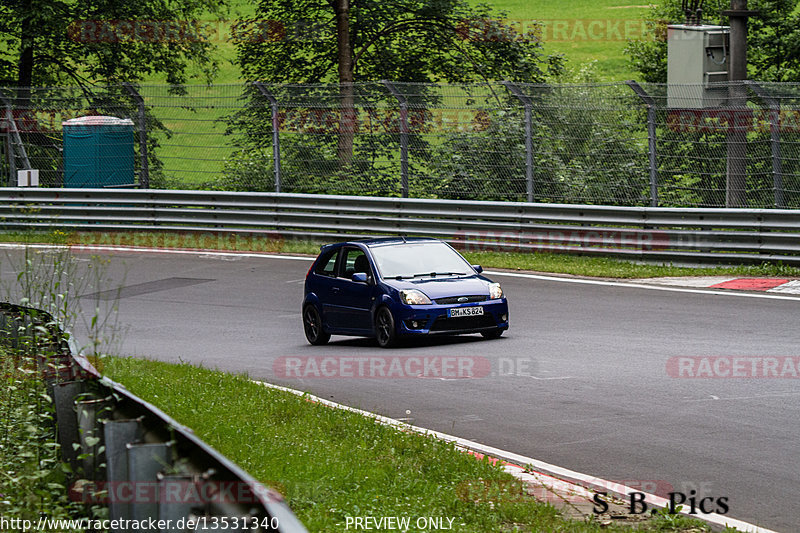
{"x":580,"y":380}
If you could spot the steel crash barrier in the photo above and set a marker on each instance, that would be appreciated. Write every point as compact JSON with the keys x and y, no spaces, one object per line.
{"x":130,"y":455}
{"x":642,"y":233}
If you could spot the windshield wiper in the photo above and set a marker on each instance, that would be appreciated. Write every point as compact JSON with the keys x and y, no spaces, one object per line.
{"x":429,"y":274}
{"x":434,"y":274}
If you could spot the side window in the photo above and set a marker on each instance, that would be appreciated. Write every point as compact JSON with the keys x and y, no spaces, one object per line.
{"x":353,"y":260}
{"x":326,"y":266}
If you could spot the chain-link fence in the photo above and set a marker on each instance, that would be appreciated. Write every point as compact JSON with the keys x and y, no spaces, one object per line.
{"x":619,"y":144}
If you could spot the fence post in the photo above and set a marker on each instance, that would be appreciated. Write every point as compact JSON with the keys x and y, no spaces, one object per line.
{"x":12,"y":164}
{"x":14,"y":138}
{"x":144,"y":174}
{"x":651,"y":138}
{"x":775,"y":140}
{"x":403,"y":102}
{"x":276,"y":147}
{"x":526,"y":101}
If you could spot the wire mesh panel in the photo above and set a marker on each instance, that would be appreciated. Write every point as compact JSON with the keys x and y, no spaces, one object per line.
{"x":715,"y":145}
{"x":189,"y":130}
{"x":332,"y":139}
{"x":757,"y":123}
{"x":38,"y":118}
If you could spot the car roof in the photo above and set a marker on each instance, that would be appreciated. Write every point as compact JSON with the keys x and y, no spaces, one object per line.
{"x":386,"y":241}
{"x":381,"y":241}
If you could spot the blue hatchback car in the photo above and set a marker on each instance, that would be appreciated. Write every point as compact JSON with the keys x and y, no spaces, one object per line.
{"x":395,"y":287}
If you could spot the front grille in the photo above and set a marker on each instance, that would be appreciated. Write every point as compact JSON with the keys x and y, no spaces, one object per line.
{"x":455,"y":299}
{"x":444,"y":323}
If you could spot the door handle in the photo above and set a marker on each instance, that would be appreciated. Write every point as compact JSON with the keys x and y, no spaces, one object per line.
{"x":335,"y":289}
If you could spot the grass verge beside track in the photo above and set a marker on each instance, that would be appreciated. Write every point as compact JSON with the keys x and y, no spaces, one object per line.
{"x":559,"y":263}
{"x":331,"y":464}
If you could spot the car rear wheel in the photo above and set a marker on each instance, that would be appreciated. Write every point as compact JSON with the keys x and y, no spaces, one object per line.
{"x":385,"y":331}
{"x":492,"y":334}
{"x":312,"y":325}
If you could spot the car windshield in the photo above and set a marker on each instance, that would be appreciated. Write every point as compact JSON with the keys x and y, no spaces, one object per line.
{"x":419,"y":259}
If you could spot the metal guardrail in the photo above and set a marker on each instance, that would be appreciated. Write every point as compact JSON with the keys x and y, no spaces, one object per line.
{"x":132,"y":455}
{"x":641,"y":233}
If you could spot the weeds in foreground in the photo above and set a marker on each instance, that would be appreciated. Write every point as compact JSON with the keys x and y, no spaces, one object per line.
{"x":33,"y":479}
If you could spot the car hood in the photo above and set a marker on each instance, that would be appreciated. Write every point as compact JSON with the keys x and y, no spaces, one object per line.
{"x":442,"y":287}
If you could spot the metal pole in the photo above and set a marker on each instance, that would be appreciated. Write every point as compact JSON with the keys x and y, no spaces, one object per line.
{"x":775,"y":141}
{"x":144,"y":171}
{"x":651,"y":138}
{"x":12,"y":164}
{"x":276,"y":148}
{"x":736,"y":186}
{"x":526,"y":101}
{"x":403,"y":102}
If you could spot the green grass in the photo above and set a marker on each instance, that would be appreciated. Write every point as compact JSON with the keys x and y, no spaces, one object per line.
{"x":562,"y":34}
{"x":601,"y":42}
{"x":331,"y":464}
{"x":559,"y":263}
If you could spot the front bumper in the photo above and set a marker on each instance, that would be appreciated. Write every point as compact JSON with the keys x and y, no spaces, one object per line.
{"x":433,"y":319}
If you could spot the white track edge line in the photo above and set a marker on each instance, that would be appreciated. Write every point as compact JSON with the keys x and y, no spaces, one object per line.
{"x":639,"y":285}
{"x":618,"y":489}
{"x":103,"y":248}
{"x":540,"y":277}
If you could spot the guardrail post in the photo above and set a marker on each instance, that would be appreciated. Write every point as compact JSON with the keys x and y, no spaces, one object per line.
{"x":526,"y":101}
{"x":183,"y":501}
{"x":276,"y":147}
{"x":775,"y":140}
{"x":90,"y":413}
{"x":64,"y":395}
{"x":145,"y":461}
{"x":144,"y":175}
{"x":651,"y":138}
{"x":118,"y":433}
{"x":15,"y":139}
{"x":403,"y":102}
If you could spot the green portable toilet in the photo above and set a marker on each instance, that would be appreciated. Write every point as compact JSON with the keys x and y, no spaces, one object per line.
{"x":98,"y":152}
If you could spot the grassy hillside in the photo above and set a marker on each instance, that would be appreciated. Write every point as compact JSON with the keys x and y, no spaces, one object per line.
{"x":583,"y":30}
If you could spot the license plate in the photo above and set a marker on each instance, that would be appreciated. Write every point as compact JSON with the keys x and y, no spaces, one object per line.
{"x":465,"y":311}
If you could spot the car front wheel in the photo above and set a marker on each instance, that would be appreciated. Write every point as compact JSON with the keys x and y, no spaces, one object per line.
{"x":385,"y":331}
{"x":312,"y":325}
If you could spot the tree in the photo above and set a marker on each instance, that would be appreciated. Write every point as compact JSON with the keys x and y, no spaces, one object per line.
{"x":75,"y":47}
{"x":347,"y":41}
{"x":773,"y":39}
{"x":88,"y":42}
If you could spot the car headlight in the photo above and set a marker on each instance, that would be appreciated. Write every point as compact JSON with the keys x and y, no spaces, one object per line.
{"x":414,"y":297}
{"x":495,"y":292}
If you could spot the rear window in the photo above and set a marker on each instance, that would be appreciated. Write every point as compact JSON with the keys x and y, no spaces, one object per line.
{"x":326,"y":264}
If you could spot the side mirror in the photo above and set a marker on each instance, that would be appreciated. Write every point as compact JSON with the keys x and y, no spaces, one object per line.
{"x":478,"y":268}
{"x":360,"y":277}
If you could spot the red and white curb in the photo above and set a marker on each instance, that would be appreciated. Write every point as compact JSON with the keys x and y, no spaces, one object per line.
{"x":769,"y":285}
{"x":561,"y":481}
